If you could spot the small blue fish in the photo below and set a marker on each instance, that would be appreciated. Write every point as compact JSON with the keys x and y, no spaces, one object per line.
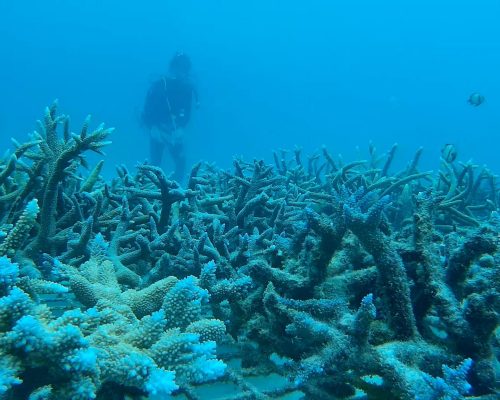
{"x":449,"y":152}
{"x":476,"y":99}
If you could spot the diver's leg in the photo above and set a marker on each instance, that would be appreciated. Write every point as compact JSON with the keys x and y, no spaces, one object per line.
{"x":156,"y":149}
{"x":178,"y":156}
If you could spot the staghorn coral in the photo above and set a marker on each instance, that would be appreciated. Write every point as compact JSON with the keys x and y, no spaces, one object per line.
{"x":84,"y":352}
{"x":19,"y":233}
{"x":346,"y":276}
{"x":364,"y":220}
{"x":61,"y":156}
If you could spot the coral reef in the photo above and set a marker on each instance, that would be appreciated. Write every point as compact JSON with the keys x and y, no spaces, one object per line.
{"x":351,"y":280}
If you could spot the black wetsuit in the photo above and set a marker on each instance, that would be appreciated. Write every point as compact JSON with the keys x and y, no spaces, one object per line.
{"x":168,"y":108}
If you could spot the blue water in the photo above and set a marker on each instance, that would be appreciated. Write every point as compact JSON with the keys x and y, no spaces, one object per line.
{"x":271,"y":74}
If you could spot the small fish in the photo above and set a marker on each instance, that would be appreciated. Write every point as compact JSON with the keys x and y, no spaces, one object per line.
{"x":476,"y":99}
{"x":449,"y":152}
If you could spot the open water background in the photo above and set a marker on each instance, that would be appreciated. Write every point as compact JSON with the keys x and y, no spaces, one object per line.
{"x":271,"y":74}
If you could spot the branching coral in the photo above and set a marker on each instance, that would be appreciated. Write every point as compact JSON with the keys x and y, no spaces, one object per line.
{"x":346,"y":276}
{"x":84,"y":352}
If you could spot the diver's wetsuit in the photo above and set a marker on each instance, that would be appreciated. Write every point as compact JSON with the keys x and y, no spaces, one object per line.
{"x":168,"y":109}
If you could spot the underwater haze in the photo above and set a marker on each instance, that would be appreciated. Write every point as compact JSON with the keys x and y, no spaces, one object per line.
{"x":270,"y":74}
{"x":299,"y":201}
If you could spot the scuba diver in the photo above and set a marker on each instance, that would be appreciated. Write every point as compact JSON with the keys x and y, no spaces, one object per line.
{"x":167,"y":110}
